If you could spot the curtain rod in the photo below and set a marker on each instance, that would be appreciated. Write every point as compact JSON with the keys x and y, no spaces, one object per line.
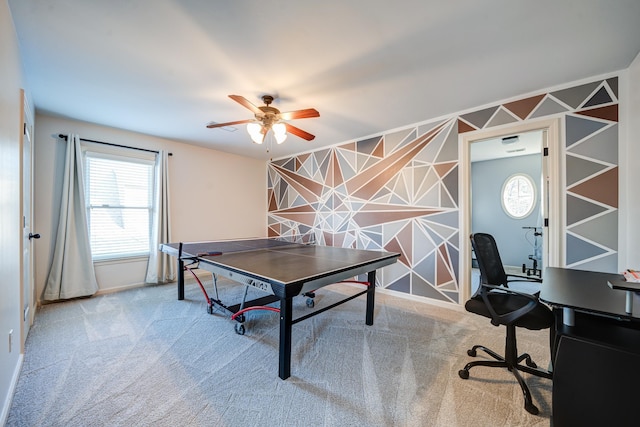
{"x":112,"y":144}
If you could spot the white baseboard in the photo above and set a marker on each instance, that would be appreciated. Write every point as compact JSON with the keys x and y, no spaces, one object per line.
{"x":416,"y":298}
{"x":188,"y":278}
{"x":119,"y":288}
{"x":12,"y":389}
{"x":425,"y":300}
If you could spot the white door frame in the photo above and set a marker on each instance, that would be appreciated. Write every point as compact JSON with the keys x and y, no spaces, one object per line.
{"x":552,"y":203}
{"x":27,"y":311}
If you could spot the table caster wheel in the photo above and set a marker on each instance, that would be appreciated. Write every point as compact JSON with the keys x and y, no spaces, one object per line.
{"x":239,"y":329}
{"x":464,"y":374}
{"x":310,"y":302}
{"x":471,"y":353}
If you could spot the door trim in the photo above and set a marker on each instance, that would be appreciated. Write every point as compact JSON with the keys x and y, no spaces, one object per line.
{"x":27,"y":309}
{"x":553,"y":206}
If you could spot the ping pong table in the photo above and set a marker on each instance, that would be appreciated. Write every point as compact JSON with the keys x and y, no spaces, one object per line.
{"x":282,"y":270}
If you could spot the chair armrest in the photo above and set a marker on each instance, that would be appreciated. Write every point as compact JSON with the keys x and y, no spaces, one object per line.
{"x":511,"y":291}
{"x":512,"y":316}
{"x":523,"y":278}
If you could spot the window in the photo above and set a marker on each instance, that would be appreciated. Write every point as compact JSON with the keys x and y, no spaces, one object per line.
{"x":119,"y":197}
{"x":518,"y":196}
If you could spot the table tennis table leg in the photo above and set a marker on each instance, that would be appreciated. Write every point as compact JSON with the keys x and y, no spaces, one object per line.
{"x":371,"y":297}
{"x":286,"y":309}
{"x":180,"y":279}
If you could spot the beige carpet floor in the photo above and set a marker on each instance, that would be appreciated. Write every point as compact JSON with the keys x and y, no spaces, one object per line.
{"x":142,"y":358}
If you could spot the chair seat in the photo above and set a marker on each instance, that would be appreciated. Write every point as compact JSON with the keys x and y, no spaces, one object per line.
{"x":541,"y":317}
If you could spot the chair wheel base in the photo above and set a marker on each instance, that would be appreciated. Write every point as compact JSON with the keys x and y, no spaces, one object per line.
{"x":464,"y":374}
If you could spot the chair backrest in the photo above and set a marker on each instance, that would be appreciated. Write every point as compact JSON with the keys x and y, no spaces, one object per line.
{"x":491,"y":268}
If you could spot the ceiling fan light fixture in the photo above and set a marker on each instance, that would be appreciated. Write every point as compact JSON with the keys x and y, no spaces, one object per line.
{"x":280,"y":132}
{"x":256,"y":132}
{"x":268,"y":118}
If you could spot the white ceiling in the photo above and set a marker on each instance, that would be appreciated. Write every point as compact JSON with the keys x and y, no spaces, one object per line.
{"x":165,"y":67}
{"x":519,"y":144}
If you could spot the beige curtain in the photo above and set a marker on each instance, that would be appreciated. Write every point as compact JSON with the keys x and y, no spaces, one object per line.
{"x":160,"y":268}
{"x":72,"y":274}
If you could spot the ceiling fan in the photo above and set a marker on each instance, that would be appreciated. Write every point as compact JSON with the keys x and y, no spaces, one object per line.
{"x":270,"y":118}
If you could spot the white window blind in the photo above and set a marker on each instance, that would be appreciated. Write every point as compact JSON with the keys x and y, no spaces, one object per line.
{"x":119,"y":195}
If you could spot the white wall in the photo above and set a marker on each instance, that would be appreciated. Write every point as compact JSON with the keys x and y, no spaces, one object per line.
{"x":213,"y":195}
{"x":10,"y":229}
{"x":630,"y":160}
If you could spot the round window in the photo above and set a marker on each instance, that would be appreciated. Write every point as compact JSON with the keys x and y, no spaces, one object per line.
{"x":518,"y":195}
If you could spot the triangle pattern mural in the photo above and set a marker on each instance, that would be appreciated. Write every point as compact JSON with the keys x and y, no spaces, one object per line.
{"x":548,"y":107}
{"x":591,"y":175}
{"x":590,"y":114}
{"x":523,"y":108}
{"x":399,"y":191}
{"x":344,"y":201}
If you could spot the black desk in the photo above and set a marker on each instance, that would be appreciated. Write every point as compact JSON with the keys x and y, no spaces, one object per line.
{"x":596,"y":375}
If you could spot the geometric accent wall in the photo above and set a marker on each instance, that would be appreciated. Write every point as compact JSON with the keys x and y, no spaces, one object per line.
{"x":592,"y":184}
{"x":590,"y":164}
{"x":399,"y":191}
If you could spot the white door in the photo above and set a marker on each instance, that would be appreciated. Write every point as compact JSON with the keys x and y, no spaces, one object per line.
{"x":27,"y":216}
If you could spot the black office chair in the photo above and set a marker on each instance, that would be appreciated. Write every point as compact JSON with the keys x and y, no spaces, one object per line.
{"x":505,"y":306}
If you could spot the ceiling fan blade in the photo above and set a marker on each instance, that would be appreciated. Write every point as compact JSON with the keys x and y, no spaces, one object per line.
{"x":245,"y":103}
{"x":300,"y":114}
{"x":299,"y":132}
{"x":220,"y":125}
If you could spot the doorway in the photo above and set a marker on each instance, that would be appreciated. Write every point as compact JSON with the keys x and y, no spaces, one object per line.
{"x":545,"y":218}
{"x":506,"y":192}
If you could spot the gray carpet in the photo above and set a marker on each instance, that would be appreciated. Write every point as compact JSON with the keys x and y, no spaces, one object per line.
{"x":142,"y":358}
